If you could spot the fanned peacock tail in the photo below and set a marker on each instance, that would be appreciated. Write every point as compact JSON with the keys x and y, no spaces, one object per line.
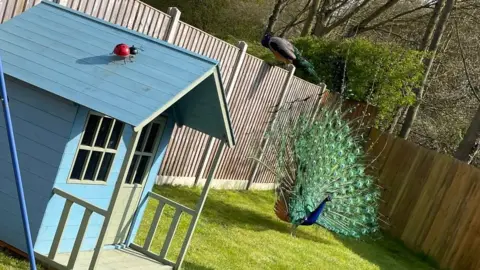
{"x":320,"y":158}
{"x":303,"y":63}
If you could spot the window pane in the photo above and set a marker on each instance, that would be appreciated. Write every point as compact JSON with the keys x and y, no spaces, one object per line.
{"x":90,"y":129}
{"x":103,"y":132}
{"x":142,"y":138}
{"x":79,"y":163}
{"x":141,"y":171}
{"x":151,"y":138}
{"x":105,"y":167}
{"x":130,"y":170}
{"x":92,"y":165}
{"x":116,"y":133}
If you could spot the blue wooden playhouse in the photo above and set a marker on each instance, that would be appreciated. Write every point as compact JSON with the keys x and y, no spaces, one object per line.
{"x":91,"y":133}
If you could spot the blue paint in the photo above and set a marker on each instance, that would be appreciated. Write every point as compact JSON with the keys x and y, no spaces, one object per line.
{"x":98,"y":195}
{"x":167,"y":133}
{"x":32,"y":111}
{"x":16,"y":167}
{"x":198,"y":111}
{"x":76,"y":63}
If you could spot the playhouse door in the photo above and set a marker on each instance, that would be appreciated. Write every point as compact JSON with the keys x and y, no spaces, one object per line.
{"x":132,"y":186}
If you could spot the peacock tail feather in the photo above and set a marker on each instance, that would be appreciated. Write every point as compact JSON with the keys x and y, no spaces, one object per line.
{"x":320,"y":158}
{"x":301,"y":62}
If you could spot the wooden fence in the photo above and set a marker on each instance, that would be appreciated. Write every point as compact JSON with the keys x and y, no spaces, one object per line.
{"x":255,"y":90}
{"x":431,"y":200}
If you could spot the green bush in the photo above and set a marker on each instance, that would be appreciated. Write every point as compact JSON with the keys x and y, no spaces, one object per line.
{"x":382,"y":74}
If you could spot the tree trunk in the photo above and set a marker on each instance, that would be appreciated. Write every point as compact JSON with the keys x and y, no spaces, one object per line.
{"x":395,"y":120}
{"x":428,"y":62}
{"x":469,"y":140}
{"x":272,"y":20}
{"x":322,"y":19}
{"x":307,"y":27}
{"x":431,"y":25}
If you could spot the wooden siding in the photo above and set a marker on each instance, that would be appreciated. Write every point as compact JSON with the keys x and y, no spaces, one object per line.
{"x":42,"y":124}
{"x":431,"y":200}
{"x":96,"y":194}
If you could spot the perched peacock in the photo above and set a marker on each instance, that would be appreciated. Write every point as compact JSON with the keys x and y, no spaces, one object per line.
{"x":320,"y":171}
{"x":285,"y":52}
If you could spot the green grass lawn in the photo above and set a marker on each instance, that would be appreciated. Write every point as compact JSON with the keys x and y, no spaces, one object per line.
{"x":9,"y":261}
{"x":238,"y":230}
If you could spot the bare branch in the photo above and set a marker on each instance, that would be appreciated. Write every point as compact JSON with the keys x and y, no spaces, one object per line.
{"x":365,"y":29}
{"x":354,"y":30}
{"x":319,"y":31}
{"x":465,"y":67}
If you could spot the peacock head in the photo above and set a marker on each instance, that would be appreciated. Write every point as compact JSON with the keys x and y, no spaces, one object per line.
{"x":266,"y":39}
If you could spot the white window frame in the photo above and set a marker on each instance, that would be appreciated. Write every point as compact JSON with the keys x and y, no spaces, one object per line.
{"x":151,"y":156}
{"x":92,"y":148}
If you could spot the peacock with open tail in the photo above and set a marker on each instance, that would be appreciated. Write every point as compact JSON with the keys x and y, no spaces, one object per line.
{"x":287,"y":53}
{"x":320,"y":172}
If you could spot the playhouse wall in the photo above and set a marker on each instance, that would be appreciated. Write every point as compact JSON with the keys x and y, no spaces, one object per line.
{"x":97,"y":194}
{"x":42,"y":123}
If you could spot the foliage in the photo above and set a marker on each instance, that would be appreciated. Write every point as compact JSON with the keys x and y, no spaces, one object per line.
{"x":381,"y":74}
{"x":221,"y":18}
{"x":238,"y":230}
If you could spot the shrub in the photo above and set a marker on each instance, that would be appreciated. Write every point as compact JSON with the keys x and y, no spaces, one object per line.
{"x":383,"y":75}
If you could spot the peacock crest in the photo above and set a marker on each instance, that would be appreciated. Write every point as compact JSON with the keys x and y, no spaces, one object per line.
{"x":321,"y":174}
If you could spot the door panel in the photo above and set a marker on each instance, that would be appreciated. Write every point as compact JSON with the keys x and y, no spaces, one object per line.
{"x":132,"y":186}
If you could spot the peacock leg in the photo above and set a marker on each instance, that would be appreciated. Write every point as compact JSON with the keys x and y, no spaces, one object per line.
{"x":293,"y":231}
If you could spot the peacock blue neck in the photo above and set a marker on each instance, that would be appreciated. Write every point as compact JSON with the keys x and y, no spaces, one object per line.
{"x":266,"y":40}
{"x":313,"y":217}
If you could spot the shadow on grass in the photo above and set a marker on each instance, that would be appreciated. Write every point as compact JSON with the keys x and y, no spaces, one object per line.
{"x":192,"y":266}
{"x":392,"y":251}
{"x":226,"y":215}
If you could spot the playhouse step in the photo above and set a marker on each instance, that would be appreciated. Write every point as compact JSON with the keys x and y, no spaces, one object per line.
{"x":114,"y":259}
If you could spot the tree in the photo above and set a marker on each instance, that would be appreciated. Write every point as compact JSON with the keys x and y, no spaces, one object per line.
{"x":470,"y":142}
{"x":326,"y":21}
{"x":363,"y":23}
{"x":428,"y":62}
{"x":277,"y":9}
{"x":307,"y":27}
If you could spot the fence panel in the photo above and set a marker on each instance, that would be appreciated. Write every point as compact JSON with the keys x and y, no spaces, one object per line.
{"x":431,"y":201}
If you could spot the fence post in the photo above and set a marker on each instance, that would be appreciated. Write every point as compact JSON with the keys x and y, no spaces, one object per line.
{"x":318,"y":104}
{"x":233,"y":80}
{"x":61,"y":2}
{"x":283,"y":94}
{"x":173,"y":27}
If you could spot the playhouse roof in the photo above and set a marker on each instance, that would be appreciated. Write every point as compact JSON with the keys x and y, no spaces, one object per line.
{"x":68,"y":53}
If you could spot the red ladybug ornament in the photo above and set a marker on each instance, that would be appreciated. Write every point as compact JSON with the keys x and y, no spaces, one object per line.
{"x":122,"y":50}
{"x":125,"y":51}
